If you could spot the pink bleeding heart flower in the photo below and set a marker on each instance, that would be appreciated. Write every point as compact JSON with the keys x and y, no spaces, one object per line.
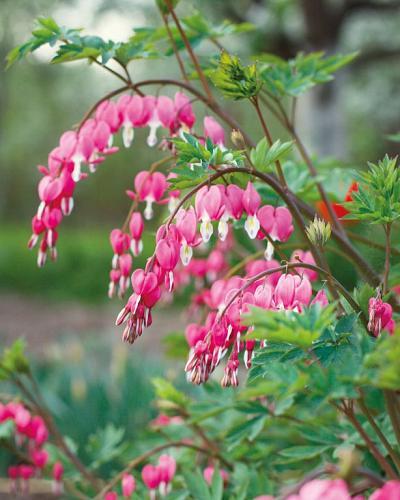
{"x":125,"y":266}
{"x":107,"y":111}
{"x":235,"y":196}
{"x":68,"y":188}
{"x":136,"y":227}
{"x":167,"y":468}
{"x":167,"y":254}
{"x":115,"y":275}
{"x":150,"y":118}
{"x":380,"y":316}
{"x":128,"y":485}
{"x":123,"y":105}
{"x":186,"y":224}
{"x":37,"y":228}
{"x":166,"y":112}
{"x":120,"y":242}
{"x":195,"y":333}
{"x":213,"y":131}
{"x":101,"y":135}
{"x":150,"y":188}
{"x":277,"y":222}
{"x":210,"y":206}
{"x":323,"y":489}
{"x":151,"y":475}
{"x":184,"y":111}
{"x":292,"y":292}
{"x":49,"y":189}
{"x":67,"y":146}
{"x":251,"y":201}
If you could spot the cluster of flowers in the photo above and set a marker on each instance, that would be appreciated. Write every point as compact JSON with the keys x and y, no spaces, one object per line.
{"x":229,"y":299}
{"x":175,"y":242}
{"x":337,"y":489}
{"x":155,"y":477}
{"x":30,"y":436}
{"x":92,"y":143}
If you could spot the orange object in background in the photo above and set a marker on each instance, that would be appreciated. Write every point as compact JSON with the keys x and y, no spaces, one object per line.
{"x":338,"y":208}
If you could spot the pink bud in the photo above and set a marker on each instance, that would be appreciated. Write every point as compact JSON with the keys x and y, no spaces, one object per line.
{"x":128,"y":485}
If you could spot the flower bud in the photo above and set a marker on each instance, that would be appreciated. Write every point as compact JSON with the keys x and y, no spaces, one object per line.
{"x":319,"y":231}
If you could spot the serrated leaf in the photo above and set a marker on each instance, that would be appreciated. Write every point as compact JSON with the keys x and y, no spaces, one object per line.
{"x":264,"y":157}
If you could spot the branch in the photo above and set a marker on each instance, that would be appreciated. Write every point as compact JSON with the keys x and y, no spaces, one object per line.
{"x":142,"y":458}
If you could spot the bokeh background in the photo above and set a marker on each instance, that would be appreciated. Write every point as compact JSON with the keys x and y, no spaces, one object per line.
{"x":62,"y":310}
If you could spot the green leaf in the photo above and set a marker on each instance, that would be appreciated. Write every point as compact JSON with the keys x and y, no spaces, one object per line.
{"x":7,"y":429}
{"x":105,"y":445}
{"x":378,"y":197}
{"x":235,"y":80}
{"x":196,"y":485}
{"x":264,"y":157}
{"x":217,"y":484}
{"x":299,"y":330}
{"x":303,"y":452}
{"x":14,"y":360}
{"x":165,"y":390}
{"x":382,"y":367}
{"x":296,"y":76}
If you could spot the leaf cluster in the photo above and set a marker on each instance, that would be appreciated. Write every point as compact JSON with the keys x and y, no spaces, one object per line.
{"x":235,"y":80}
{"x":378,"y":197}
{"x":294,"y":77}
{"x":197,"y":161}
